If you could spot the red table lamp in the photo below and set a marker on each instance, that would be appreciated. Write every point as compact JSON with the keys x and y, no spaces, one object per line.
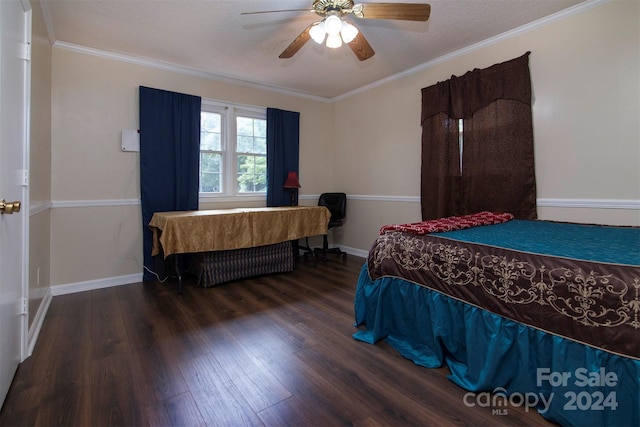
{"x":293,"y":184}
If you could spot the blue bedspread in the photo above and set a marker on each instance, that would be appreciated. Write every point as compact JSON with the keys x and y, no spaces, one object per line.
{"x":618,"y":245}
{"x":487,"y":352}
{"x":508,"y":306}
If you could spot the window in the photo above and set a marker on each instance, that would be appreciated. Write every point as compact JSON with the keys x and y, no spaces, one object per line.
{"x":233,"y":150}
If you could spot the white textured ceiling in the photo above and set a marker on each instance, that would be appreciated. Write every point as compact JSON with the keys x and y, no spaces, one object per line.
{"x":213,"y":37}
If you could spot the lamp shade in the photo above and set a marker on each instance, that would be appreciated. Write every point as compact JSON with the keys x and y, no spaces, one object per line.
{"x":334,"y":41}
{"x":332,"y":25}
{"x":317,"y":32}
{"x":348,"y":32}
{"x":292,"y":181}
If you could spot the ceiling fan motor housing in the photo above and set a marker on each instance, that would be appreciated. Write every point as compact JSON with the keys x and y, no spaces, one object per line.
{"x":323,"y":7}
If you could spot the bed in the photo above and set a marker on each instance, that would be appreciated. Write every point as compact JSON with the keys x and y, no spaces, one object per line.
{"x":539,"y":314}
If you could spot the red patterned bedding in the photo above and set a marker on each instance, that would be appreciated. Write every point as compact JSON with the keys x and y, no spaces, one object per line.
{"x":450,"y":223}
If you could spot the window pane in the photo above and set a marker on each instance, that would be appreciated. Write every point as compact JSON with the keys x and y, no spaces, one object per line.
{"x":252,"y":135}
{"x":252,"y":173}
{"x":245,"y":126}
{"x":211,"y":122}
{"x":260,"y":128}
{"x":260,"y":145}
{"x":245,"y":144}
{"x":210,"y":141}
{"x":210,"y":131}
{"x":210,"y":172}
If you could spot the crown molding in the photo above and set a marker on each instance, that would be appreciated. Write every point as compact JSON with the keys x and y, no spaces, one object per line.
{"x":180,"y":69}
{"x":574,"y":10}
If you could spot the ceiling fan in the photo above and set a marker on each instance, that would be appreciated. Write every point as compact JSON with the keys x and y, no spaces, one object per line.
{"x":335,"y":29}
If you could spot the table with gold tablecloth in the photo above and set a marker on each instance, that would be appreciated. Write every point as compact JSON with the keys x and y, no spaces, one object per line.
{"x":232,"y":229}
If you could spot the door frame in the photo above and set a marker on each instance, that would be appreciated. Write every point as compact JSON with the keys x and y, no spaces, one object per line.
{"x":24,"y":210}
{"x":26,"y":152}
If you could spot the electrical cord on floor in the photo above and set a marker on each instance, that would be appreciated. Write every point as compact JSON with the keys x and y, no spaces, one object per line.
{"x":155,"y":274}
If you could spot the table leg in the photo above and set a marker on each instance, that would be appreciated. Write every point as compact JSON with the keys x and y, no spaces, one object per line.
{"x":176,"y":265}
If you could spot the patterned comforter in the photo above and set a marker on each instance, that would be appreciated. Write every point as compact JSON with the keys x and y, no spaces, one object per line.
{"x":587,"y":300}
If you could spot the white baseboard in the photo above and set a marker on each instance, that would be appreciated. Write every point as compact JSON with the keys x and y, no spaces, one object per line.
{"x":90,"y":285}
{"x":38,"y":320}
{"x":353,"y":251}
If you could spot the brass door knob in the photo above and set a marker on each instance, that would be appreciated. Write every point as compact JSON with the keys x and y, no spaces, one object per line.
{"x":9,"y":207}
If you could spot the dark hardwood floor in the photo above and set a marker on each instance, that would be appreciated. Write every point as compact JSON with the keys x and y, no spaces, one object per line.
{"x":273,"y":350}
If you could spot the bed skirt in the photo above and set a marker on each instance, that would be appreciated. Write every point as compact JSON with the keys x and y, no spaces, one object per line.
{"x":567,"y":382}
{"x":214,"y":268}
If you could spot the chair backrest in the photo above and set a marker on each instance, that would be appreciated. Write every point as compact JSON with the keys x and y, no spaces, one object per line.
{"x":336,"y":203}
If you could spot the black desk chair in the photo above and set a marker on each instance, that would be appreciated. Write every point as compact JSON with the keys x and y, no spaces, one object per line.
{"x":337,"y":205}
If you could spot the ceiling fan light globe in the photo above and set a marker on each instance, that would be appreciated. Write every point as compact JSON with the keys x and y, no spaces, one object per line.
{"x":334,"y":41}
{"x":317,"y":32}
{"x":333,"y":25}
{"x":348,"y":32}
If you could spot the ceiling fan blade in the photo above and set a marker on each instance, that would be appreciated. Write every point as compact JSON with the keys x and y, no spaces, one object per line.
{"x":276,"y":11}
{"x":361,"y":47}
{"x":400,"y":11}
{"x":296,"y":44}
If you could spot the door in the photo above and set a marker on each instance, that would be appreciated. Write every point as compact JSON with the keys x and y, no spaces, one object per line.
{"x":15,"y":37}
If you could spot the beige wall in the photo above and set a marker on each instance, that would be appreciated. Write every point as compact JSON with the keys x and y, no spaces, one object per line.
{"x":93,"y":99}
{"x":40,"y":164}
{"x":584,"y":72}
{"x":585,"y":79}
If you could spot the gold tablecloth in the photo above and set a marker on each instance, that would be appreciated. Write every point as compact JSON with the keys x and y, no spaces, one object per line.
{"x":225,"y":229}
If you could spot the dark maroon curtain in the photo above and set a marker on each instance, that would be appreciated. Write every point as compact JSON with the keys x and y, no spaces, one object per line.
{"x":497,"y":170}
{"x":440,"y":167}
